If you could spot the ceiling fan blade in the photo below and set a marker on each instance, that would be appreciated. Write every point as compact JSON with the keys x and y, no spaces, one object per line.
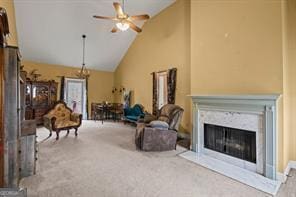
{"x":106,"y":17}
{"x":114,"y":30}
{"x":140,"y":17}
{"x":134,"y":27}
{"x":118,"y":9}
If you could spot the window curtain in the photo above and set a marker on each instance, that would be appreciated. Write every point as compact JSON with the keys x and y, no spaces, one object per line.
{"x":62,"y":90}
{"x":172,"y":82}
{"x":154,"y":93}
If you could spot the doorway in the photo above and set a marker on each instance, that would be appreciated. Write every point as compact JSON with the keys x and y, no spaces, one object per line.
{"x":75,"y":95}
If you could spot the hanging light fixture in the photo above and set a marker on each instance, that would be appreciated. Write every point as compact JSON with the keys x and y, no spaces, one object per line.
{"x":83,"y":73}
{"x":122,"y":20}
{"x":122,"y":25}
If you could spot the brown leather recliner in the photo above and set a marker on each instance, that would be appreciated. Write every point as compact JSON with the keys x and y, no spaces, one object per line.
{"x":155,"y":139}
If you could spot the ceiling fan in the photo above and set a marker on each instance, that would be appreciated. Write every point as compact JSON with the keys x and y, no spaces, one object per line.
{"x":123,"y":20}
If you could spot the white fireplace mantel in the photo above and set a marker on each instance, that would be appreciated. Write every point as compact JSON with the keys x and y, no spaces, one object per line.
{"x":265,"y":106}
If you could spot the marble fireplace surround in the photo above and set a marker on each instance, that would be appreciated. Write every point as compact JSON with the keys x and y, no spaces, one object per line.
{"x":238,"y":120}
{"x":260,"y":110}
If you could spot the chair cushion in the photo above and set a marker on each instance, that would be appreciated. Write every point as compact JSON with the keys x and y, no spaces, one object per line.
{"x":65,"y":123}
{"x":135,"y":118}
{"x":137,"y":110}
{"x":164,"y":119}
{"x":159,"y":124}
{"x":60,"y":112}
{"x":128,"y":111}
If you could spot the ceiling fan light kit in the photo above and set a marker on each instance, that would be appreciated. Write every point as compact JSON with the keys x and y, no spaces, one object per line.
{"x":122,"y":26}
{"x":123,"y":20}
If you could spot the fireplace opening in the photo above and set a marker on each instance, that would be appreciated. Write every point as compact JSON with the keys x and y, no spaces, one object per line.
{"x":230,"y":141}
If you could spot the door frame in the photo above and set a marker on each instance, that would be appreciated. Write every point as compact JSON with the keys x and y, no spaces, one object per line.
{"x":84,"y":96}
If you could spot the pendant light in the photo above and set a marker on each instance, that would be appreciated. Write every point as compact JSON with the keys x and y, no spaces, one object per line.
{"x":83,"y":73}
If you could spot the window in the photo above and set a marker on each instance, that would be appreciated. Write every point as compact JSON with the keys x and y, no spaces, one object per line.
{"x":162,"y":89}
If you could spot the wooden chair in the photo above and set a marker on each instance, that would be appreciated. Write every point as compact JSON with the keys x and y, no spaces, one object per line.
{"x":117,"y":111}
{"x":101,"y":112}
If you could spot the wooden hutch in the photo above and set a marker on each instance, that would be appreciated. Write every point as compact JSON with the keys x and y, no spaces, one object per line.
{"x":40,"y":97}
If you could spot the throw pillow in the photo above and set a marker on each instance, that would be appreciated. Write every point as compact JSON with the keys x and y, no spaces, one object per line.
{"x":159,"y":124}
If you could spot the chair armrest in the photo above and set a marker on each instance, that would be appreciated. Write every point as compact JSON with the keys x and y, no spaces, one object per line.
{"x":75,"y":117}
{"x":141,"y":118}
{"x":49,"y":121}
{"x":140,"y":128}
{"x":149,"y":117}
{"x":153,"y":139}
{"x":139,"y":133}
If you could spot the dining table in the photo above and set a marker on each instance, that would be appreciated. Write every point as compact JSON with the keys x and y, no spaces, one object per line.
{"x":105,"y":111}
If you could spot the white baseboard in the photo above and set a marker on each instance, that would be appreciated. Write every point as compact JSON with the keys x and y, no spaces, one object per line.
{"x":292,"y":164}
{"x":283,"y":176}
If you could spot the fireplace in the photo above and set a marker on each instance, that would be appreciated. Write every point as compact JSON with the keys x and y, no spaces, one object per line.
{"x":237,"y":143}
{"x":235,"y":135}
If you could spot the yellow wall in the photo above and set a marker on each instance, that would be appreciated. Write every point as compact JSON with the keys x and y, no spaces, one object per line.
{"x":289,"y":80}
{"x":164,"y":43}
{"x":9,"y":6}
{"x":99,"y":86}
{"x":236,"y":48}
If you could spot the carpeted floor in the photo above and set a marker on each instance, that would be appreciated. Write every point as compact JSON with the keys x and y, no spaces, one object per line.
{"x":103,"y":161}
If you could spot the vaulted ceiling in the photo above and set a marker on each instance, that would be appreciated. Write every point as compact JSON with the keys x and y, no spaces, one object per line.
{"x":49,"y":31}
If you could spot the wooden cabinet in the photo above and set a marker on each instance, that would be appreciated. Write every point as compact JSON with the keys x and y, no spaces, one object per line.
{"x":10,"y":116}
{"x":40,"y":97}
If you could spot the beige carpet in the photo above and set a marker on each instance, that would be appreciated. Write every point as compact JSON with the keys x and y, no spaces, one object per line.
{"x":103,"y":161}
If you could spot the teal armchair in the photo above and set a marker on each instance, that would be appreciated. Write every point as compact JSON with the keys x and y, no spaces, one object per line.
{"x":134,"y":113}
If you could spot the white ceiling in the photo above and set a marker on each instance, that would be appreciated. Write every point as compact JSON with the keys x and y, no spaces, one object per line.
{"x":49,"y":31}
